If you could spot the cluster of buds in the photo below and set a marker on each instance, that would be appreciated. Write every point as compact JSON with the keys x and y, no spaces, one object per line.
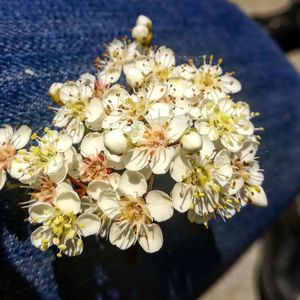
{"x":92,"y":172}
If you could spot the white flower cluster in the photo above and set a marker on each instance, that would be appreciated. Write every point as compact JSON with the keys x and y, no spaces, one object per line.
{"x":93,"y":174}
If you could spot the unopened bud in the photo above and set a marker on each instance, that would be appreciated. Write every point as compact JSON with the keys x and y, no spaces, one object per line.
{"x":116,"y":142}
{"x":145,"y":21}
{"x":191,"y":141}
{"x":54,"y":91}
{"x":140,"y":33}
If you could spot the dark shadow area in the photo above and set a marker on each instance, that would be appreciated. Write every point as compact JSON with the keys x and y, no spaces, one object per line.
{"x":12,"y":284}
{"x":180,"y":270}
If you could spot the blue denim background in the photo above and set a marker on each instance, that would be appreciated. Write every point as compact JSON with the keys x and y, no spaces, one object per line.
{"x":59,"y":40}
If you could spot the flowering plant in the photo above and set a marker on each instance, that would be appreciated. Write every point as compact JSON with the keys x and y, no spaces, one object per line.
{"x":92,"y":173}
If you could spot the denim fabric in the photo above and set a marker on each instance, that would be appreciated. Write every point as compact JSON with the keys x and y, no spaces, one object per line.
{"x":59,"y":40}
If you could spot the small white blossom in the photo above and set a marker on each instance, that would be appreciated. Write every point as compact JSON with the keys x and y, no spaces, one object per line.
{"x":157,"y":67}
{"x":60,"y":224}
{"x":133,"y":213}
{"x":223,"y":121}
{"x":208,"y":81}
{"x":202,"y":180}
{"x":10,"y":141}
{"x":44,"y":159}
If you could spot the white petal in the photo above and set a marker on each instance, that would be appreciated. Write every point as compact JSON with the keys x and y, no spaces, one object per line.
{"x":245,"y":127}
{"x":115,"y":96}
{"x":74,"y":247}
{"x":147,"y":172}
{"x":112,"y":121}
{"x":258,"y":197}
{"x":63,"y":187}
{"x":68,"y":202}
{"x":92,"y":144}
{"x":69,"y":92}
{"x":180,"y":167}
{"x":232,"y":142}
{"x":236,"y":183}
{"x":182,"y":196}
{"x":60,"y":175}
{"x":95,"y":110}
{"x":21,"y":137}
{"x":133,"y":183}
{"x":5,"y":134}
{"x":55,"y":164}
{"x":136,"y":159}
{"x":165,"y":57}
{"x":208,"y":147}
{"x":159,"y":112}
{"x":248,"y":151}
{"x":151,"y":239}
{"x":114,"y":180}
{"x":62,"y":117}
{"x":161,"y":160}
{"x":76,"y":130}
{"x":109,"y":203}
{"x":159,"y":205}
{"x":230,"y":84}
{"x":177,"y":126}
{"x":134,"y":76}
{"x":145,"y":64}
{"x":192,"y":91}
{"x":156,"y":92}
{"x":2,"y":178}
{"x":89,"y":224}
{"x":120,"y":237}
{"x":177,"y":86}
{"x":64,"y":142}
{"x":40,"y":234}
{"x":96,"y":187}
{"x":40,"y":211}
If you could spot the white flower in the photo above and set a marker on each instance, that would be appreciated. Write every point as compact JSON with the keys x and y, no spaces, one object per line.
{"x":223,"y":121}
{"x":118,"y":54}
{"x":10,"y":141}
{"x":126,"y":112}
{"x":133,"y":213}
{"x":44,"y":159}
{"x":157,"y":146}
{"x":202,"y":180}
{"x":247,"y":177}
{"x":79,"y":105}
{"x":61,"y":226}
{"x":208,"y":81}
{"x":157,"y":67}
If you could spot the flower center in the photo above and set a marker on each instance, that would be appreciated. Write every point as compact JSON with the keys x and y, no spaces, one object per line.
{"x":206,"y":80}
{"x":222,"y":122}
{"x":133,"y":108}
{"x":95,"y":168}
{"x":46,"y":192}
{"x":154,"y":138}
{"x":161,"y":73}
{"x":134,"y":211}
{"x":7,"y":152}
{"x":77,"y":108}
